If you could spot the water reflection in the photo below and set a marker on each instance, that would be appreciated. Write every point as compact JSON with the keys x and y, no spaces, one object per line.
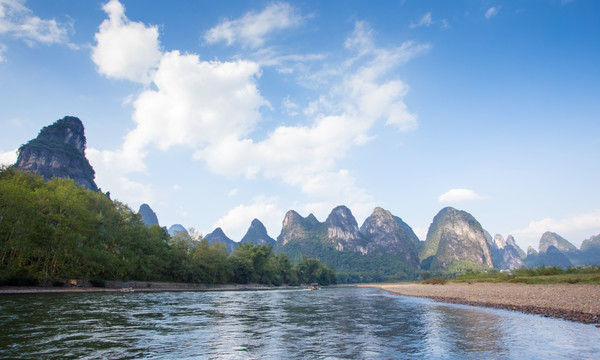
{"x":351,"y":323}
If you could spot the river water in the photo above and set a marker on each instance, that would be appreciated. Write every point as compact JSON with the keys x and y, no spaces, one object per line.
{"x":344,"y":322}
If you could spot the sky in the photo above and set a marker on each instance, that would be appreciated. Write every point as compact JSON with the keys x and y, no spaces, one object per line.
{"x":216,"y":113}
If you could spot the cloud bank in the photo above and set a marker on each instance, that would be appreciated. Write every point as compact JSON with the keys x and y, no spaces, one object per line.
{"x":214,"y":107}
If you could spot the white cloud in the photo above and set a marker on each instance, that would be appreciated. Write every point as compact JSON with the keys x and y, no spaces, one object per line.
{"x":213,"y":108}
{"x":111,"y":175}
{"x":454,"y":195}
{"x":202,"y":102}
{"x":237,"y":221}
{"x":285,"y":63}
{"x":424,"y":21}
{"x":361,"y":40}
{"x":575,"y":228}
{"x":232,"y":192}
{"x":289,"y":106}
{"x":18,"y":21}
{"x":2,"y":51}
{"x":8,"y":158}
{"x":491,"y":12}
{"x":125,"y":49}
{"x":253,"y":28}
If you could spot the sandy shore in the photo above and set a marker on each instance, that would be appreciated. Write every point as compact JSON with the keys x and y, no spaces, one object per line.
{"x":570,"y":302}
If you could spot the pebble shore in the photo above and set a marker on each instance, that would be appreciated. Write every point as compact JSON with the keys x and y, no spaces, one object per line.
{"x":577,"y":302}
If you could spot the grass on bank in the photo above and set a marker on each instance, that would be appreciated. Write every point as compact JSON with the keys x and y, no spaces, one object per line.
{"x":540,"y":275}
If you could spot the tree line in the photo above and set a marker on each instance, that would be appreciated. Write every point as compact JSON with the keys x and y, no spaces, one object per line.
{"x":59,"y":230}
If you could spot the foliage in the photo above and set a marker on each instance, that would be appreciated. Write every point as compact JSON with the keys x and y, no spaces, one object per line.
{"x":539,"y":275}
{"x":435,"y":281}
{"x":59,"y":230}
{"x":350,"y":266}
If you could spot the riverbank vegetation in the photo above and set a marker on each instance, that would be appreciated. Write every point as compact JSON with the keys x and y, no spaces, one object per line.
{"x":539,"y":275}
{"x":59,"y":230}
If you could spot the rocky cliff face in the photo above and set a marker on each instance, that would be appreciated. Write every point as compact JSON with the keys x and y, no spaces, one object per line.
{"x":592,"y":243}
{"x":455,"y":237}
{"x":510,"y":240}
{"x":504,"y":255}
{"x":148,"y":215}
{"x":342,"y":230}
{"x":552,"y":239}
{"x":382,"y":234}
{"x":257,"y":234}
{"x":386,"y":233}
{"x":219,"y":236}
{"x":295,"y":227}
{"x":59,"y":151}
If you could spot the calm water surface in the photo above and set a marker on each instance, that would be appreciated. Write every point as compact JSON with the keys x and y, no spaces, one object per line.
{"x":347,"y":322}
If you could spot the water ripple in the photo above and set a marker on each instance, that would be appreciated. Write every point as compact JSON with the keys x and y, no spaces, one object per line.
{"x":335,"y":323}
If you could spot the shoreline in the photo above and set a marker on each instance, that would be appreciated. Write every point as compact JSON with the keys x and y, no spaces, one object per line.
{"x":139,"y":287}
{"x":572,"y":302}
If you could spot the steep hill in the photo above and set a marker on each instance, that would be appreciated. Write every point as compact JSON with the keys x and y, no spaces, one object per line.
{"x":551,"y":257}
{"x":148,"y":215}
{"x":455,"y":241}
{"x":219,"y":236}
{"x":553,"y":239}
{"x":257,"y":234}
{"x":505,"y":255}
{"x":59,"y":151}
{"x":388,"y":234}
{"x":178,"y":229}
{"x":382,"y":249}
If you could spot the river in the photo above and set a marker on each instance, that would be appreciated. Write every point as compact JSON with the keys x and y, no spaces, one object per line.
{"x":337,"y":322}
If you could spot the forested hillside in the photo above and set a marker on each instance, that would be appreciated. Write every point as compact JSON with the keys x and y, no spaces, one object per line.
{"x":58,"y":230}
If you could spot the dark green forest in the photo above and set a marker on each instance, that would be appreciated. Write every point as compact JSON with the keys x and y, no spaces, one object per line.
{"x":353,"y":267}
{"x":59,"y":230}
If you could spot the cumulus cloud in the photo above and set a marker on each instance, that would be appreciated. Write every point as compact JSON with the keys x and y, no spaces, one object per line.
{"x":426,"y":20}
{"x":491,"y":12}
{"x":213,"y":108}
{"x":575,"y":227}
{"x":125,"y":49}
{"x":252,"y":29}
{"x":236,"y":222}
{"x":8,"y":158}
{"x":18,"y":21}
{"x":454,"y":195}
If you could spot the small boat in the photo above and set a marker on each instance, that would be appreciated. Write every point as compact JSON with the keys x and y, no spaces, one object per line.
{"x":313,"y":286}
{"x":128,"y":287}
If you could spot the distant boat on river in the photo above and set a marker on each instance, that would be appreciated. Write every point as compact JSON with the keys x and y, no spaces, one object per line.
{"x":313,"y":286}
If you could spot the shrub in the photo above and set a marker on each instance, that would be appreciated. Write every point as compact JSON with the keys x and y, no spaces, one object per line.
{"x":435,"y":281}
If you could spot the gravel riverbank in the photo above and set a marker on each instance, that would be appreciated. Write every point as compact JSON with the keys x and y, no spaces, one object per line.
{"x":577,"y":302}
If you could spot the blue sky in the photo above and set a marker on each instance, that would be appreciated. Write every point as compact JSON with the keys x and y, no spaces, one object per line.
{"x":218,"y":113}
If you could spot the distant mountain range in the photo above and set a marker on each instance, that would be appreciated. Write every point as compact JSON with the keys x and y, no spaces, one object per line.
{"x":383,"y":248}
